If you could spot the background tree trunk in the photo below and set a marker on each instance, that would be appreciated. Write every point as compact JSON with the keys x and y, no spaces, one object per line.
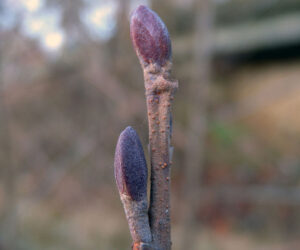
{"x":197,"y":125}
{"x":8,"y":224}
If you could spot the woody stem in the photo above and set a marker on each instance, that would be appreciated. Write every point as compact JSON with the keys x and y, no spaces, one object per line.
{"x":160,"y":90}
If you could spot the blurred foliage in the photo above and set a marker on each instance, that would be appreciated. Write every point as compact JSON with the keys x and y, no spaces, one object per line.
{"x":61,"y":113}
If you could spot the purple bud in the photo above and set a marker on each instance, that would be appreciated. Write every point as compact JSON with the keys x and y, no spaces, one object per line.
{"x":130,"y":165}
{"x":150,"y":36}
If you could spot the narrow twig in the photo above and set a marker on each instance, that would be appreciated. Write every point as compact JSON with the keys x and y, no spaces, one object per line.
{"x":131,"y":177}
{"x":153,"y":47}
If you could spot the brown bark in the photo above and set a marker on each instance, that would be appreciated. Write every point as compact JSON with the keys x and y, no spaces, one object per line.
{"x":160,"y":91}
{"x":138,"y":221}
{"x":152,"y":44}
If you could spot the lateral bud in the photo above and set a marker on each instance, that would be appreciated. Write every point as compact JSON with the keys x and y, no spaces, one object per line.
{"x":131,"y":178}
{"x":130,"y":166}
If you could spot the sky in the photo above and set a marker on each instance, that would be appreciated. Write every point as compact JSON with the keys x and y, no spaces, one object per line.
{"x":43,"y":24}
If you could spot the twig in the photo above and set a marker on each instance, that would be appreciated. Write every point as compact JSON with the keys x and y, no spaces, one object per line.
{"x":153,"y":47}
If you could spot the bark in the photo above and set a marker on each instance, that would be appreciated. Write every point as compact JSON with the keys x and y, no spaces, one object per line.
{"x":137,"y":217}
{"x":160,"y":91}
{"x":152,"y":44}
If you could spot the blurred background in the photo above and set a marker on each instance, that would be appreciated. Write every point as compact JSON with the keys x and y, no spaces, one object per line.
{"x":70,"y":82}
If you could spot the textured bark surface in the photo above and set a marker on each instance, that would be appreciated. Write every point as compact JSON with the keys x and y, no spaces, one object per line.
{"x":142,"y":246}
{"x":159,"y":92}
{"x":138,"y":220}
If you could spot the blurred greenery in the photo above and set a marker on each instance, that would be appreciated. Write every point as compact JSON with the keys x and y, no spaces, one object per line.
{"x":70,"y":82}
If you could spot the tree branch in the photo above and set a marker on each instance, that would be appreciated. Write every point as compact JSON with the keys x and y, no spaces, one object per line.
{"x":153,"y":47}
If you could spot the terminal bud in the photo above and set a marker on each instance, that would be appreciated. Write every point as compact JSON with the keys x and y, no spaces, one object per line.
{"x":150,"y":37}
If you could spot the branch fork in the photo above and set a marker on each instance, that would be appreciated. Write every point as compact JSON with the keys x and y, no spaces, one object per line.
{"x":150,"y":228}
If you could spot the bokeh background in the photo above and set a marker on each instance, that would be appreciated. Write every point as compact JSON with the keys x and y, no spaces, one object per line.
{"x":70,"y":82}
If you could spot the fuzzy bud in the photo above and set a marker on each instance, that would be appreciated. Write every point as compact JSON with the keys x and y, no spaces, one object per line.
{"x":130,"y":166}
{"x":150,"y":37}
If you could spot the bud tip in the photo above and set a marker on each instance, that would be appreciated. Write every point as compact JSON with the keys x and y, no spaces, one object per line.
{"x":150,"y":36}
